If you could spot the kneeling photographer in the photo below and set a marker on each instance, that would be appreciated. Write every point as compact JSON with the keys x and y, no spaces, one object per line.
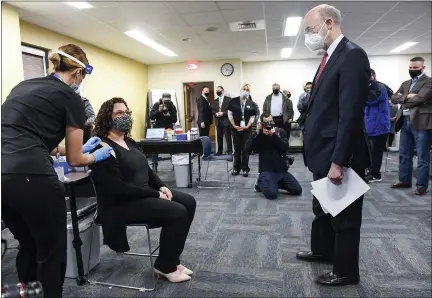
{"x":164,"y":113}
{"x":271,"y":144}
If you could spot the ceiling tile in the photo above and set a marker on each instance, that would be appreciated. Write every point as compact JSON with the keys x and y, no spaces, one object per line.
{"x":239,"y":5}
{"x":44,"y":8}
{"x":242,"y":15}
{"x":397,"y":15}
{"x":414,"y":6}
{"x":392,"y":26}
{"x":202,"y":18}
{"x":363,"y":6}
{"x":353,"y":18}
{"x":147,"y":8}
{"x":193,"y":7}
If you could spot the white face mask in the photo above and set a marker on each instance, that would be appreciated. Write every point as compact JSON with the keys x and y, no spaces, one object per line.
{"x":314,"y":41}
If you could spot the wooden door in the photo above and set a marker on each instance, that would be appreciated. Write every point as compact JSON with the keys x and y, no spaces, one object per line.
{"x":212,"y":132}
{"x":187,"y":108}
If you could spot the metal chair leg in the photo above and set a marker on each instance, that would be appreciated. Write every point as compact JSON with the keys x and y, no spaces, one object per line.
{"x":208,"y":165}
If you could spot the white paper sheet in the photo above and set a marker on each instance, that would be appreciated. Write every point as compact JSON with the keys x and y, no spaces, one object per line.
{"x":335,"y":198}
{"x":323,"y":208}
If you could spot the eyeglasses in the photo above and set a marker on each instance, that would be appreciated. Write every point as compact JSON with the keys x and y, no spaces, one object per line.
{"x":121,"y":113}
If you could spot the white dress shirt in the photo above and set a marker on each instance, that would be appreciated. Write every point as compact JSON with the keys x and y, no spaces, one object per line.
{"x":333,"y":46}
{"x":276,"y":105}
{"x":221,"y":98}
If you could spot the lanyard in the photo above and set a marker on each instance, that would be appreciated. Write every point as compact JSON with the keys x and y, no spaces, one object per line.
{"x":242,"y":108}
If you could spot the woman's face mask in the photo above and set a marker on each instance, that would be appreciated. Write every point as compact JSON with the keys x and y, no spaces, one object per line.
{"x":123,"y":123}
{"x":78,"y":80}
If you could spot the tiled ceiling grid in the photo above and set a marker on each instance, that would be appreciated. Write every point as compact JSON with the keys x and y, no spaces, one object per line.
{"x":376,"y":26}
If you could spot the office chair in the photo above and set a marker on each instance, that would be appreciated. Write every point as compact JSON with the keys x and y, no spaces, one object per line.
{"x":151,"y":253}
{"x":209,"y":157}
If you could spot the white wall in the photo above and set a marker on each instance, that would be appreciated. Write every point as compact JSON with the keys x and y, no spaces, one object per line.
{"x":172,"y":76}
{"x":391,"y":70}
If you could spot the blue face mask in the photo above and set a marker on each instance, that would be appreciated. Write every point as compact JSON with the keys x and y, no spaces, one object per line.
{"x":75,"y":87}
{"x":245,"y":93}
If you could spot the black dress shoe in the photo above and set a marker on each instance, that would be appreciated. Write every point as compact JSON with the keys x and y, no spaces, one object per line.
{"x":234,"y":172}
{"x":331,"y":279}
{"x":245,"y":173}
{"x":311,"y":257}
{"x":219,"y":153}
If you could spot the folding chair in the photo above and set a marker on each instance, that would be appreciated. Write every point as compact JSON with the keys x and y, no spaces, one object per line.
{"x":150,"y":254}
{"x":208,"y":157}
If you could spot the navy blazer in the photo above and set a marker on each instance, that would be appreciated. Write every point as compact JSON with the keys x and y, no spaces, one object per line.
{"x":334,"y":128}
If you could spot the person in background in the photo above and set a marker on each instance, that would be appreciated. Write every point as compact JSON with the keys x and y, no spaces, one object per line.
{"x":377,"y":123}
{"x":222,"y":122}
{"x":205,"y":113}
{"x":36,"y":116}
{"x":302,"y":102}
{"x":90,"y":118}
{"x":271,"y":144}
{"x":393,"y":111}
{"x":334,"y":138}
{"x":280,"y":107}
{"x":130,"y":192}
{"x":164,"y":113}
{"x":241,"y":114}
{"x":415,"y":96}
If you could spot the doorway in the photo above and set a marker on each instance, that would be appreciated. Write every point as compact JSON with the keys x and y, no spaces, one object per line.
{"x":192,"y":91}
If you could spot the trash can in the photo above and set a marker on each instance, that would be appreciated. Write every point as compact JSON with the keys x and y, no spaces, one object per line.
{"x":181,"y":169}
{"x":88,"y":233}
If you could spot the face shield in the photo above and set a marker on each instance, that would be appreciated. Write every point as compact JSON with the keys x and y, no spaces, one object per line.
{"x":81,"y":79}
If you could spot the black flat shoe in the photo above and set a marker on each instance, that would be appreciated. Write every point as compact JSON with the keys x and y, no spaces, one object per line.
{"x":311,"y":257}
{"x":245,"y":174}
{"x":219,"y":153}
{"x":234,"y":173}
{"x":330,"y":279}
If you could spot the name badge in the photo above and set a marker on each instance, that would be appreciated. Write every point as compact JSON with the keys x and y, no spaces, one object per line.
{"x":248,"y":107}
{"x":242,"y":123}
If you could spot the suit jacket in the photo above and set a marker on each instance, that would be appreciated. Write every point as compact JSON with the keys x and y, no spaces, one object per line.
{"x":224,"y":119}
{"x":334,"y":127}
{"x":287,"y":107}
{"x":420,"y":105}
{"x":204,"y":111}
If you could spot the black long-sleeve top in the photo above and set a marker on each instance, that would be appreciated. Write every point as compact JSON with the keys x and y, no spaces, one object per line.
{"x":164,"y":121}
{"x":271,"y":150}
{"x":125,"y":177}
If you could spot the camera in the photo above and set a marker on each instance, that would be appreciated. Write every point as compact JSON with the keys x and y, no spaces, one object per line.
{"x":289,"y":159}
{"x":166,"y":102}
{"x":268,"y":125}
{"x":20,"y":290}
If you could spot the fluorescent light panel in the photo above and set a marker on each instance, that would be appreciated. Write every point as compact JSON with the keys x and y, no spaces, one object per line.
{"x":404,"y":47}
{"x":286,"y":52}
{"x":151,"y":43}
{"x":80,"y":5}
{"x":292,"y":26}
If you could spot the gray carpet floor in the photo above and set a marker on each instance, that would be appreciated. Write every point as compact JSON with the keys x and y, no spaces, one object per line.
{"x":242,"y":245}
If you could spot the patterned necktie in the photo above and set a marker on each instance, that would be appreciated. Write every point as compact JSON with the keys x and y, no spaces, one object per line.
{"x":322,"y":65}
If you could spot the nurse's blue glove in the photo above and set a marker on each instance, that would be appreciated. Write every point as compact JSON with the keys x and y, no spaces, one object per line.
{"x":92,"y":143}
{"x":102,"y":153}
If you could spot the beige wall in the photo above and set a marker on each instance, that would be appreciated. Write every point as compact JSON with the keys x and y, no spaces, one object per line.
{"x":12,"y":67}
{"x":113,"y":75}
{"x":172,"y":76}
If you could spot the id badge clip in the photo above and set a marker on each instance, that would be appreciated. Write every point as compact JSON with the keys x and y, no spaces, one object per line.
{"x":242,"y":123}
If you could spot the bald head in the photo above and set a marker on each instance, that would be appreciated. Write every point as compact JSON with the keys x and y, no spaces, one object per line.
{"x":325,"y":20}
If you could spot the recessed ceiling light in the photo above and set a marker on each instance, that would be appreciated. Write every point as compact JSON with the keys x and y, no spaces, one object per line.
{"x":149,"y":42}
{"x":286,"y":52}
{"x":187,"y":39}
{"x":80,"y":5}
{"x":292,"y":26}
{"x":211,"y":29}
{"x":404,"y":47}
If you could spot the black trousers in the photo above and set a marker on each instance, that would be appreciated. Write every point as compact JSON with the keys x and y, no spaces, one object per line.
{"x":241,"y":157}
{"x":34,"y":210}
{"x":174,"y":216}
{"x":390,"y":139}
{"x":204,"y":132}
{"x":222,"y":130}
{"x":378,"y":145}
{"x":338,"y":238}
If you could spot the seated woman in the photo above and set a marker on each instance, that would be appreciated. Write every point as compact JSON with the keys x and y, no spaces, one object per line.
{"x":130,"y":193}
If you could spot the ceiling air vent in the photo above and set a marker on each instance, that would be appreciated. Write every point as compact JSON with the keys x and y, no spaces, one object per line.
{"x":247,"y":26}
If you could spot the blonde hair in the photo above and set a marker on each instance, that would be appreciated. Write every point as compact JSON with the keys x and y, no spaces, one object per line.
{"x":245,"y":85}
{"x":62,"y":63}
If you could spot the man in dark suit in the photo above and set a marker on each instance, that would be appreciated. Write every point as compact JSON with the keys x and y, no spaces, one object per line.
{"x":334,"y":138}
{"x":222,"y":122}
{"x":205,"y":115}
{"x":415,"y":96}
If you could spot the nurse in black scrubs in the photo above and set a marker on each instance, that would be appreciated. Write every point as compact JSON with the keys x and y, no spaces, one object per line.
{"x":241,"y":114}
{"x":36,"y":116}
